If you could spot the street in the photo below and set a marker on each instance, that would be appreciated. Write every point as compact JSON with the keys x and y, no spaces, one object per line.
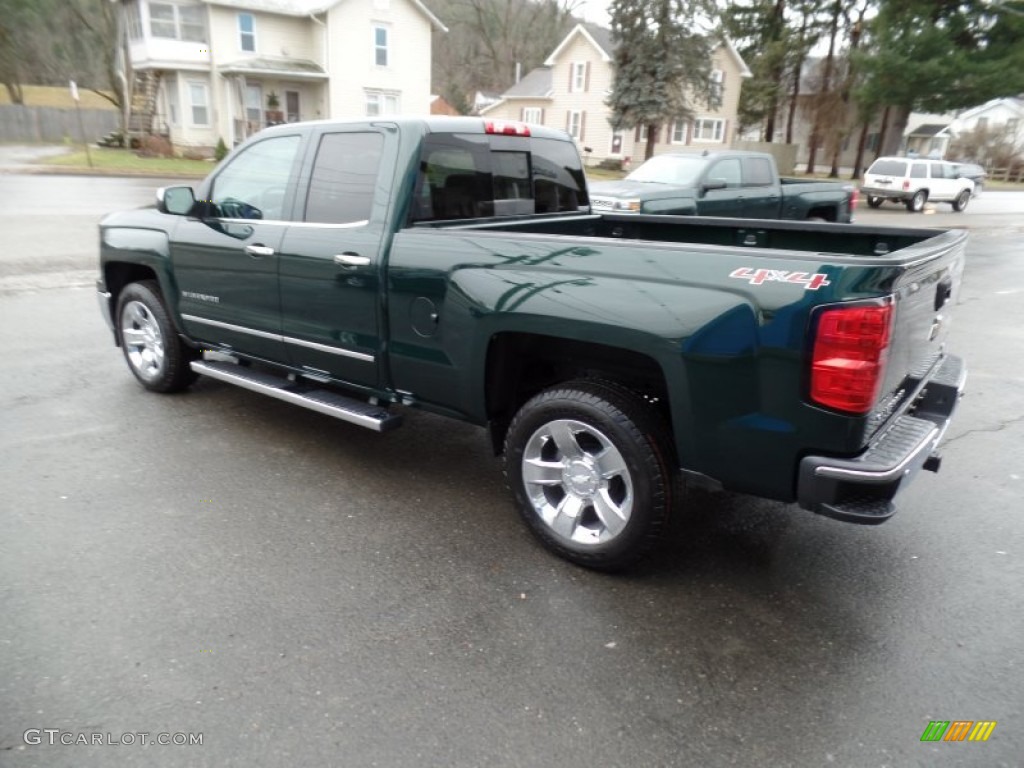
{"x":303,"y":592}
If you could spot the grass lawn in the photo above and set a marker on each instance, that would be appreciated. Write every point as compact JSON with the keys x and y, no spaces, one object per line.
{"x":601,"y":174}
{"x":58,"y":96}
{"x":126,"y":161}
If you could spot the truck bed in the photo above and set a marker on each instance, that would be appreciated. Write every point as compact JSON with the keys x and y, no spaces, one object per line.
{"x":801,"y":236}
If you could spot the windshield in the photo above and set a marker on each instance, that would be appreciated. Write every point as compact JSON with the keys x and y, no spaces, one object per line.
{"x":669,"y":169}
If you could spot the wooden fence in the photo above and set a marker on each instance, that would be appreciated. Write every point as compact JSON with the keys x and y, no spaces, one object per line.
{"x":54,"y":124}
{"x":1007,"y":174}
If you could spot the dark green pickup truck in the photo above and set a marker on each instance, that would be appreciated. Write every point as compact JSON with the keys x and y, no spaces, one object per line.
{"x":723,"y":183}
{"x":454,"y":265}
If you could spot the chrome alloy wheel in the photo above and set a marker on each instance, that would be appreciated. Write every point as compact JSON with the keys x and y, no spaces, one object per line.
{"x":143,"y":342}
{"x":578,"y":482}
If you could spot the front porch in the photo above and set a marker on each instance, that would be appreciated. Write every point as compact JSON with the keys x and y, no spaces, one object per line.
{"x":259,"y":92}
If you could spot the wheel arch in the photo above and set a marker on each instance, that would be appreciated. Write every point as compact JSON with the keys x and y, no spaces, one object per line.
{"x":521,"y":364}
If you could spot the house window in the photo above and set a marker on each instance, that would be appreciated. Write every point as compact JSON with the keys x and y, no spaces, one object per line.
{"x":578,"y":77}
{"x":381,"y":103}
{"x":199,"y":98}
{"x":161,"y":20}
{"x":176,"y":22}
{"x":679,"y":132}
{"x":574,"y":124}
{"x":707,"y":129}
{"x":380,"y":46}
{"x":717,"y":86}
{"x":247,"y":32}
{"x":254,"y":104}
{"x":133,"y":22}
{"x":616,"y":148}
{"x":532,"y":115}
{"x":872,"y":142}
{"x":191,"y":24}
{"x":641,"y":133}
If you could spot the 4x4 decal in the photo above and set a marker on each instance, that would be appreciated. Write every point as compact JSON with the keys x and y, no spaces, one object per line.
{"x":761,"y":276}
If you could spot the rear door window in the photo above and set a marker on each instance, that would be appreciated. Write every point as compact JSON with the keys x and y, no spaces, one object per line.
{"x":344,"y":178}
{"x":919,"y":171}
{"x":757,"y":172}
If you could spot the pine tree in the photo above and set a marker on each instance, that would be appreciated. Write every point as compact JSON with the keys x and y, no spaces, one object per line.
{"x":662,"y":62}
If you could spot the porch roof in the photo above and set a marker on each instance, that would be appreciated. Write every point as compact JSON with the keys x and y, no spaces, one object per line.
{"x":301,"y":69}
{"x":929,"y":130}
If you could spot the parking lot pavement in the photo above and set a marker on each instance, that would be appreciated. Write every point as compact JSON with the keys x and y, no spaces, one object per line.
{"x":995,"y":209}
{"x":298,"y":591}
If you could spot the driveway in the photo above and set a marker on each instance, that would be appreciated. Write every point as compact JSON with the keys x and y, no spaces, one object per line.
{"x":14,"y":157}
{"x":297,"y":591}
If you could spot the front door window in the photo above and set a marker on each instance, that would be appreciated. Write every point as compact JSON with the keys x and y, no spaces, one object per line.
{"x":256,"y":183}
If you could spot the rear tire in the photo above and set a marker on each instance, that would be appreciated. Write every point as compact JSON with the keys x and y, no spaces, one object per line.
{"x":961,"y":201}
{"x":592,"y":473}
{"x":155,"y":353}
{"x":916,"y":203}
{"x":875,"y":202}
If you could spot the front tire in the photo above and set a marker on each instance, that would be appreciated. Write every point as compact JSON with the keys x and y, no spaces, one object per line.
{"x":961,"y":201}
{"x":875,"y":202}
{"x":916,"y":203}
{"x":155,"y":354}
{"x":591,"y":470}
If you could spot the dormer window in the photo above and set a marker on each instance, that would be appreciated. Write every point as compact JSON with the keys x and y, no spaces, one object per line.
{"x":247,"y":32}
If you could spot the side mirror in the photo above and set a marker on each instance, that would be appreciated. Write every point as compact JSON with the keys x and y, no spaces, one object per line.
{"x":178,"y":201}
{"x":710,"y":184}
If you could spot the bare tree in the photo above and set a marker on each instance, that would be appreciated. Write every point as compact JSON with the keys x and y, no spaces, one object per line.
{"x":488,"y":39}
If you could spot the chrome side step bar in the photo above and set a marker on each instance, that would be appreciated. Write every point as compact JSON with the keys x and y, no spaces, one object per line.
{"x":320,"y":400}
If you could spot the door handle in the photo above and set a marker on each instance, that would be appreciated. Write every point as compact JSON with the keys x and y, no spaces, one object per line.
{"x":351,"y":260}
{"x":258,"y":251}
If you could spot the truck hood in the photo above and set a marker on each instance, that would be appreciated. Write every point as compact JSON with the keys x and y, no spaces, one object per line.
{"x":642,"y":190}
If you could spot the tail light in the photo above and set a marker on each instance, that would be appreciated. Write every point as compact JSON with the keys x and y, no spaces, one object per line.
{"x":906,"y":184}
{"x":854,"y":199}
{"x":851,"y":348}
{"x":506,"y":128}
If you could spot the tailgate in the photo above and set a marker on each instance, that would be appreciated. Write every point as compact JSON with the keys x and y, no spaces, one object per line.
{"x":925,"y":295}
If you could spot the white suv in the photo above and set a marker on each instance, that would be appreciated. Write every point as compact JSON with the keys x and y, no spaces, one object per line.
{"x":914,"y":181}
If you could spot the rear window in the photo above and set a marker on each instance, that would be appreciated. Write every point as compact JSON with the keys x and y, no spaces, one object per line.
{"x":468,"y":176}
{"x":888,"y":168}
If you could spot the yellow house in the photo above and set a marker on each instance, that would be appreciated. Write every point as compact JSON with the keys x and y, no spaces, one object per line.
{"x":570,"y":90}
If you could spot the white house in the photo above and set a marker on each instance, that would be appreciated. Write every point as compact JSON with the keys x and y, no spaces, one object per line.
{"x":569,"y":92}
{"x":1005,"y":115}
{"x":222,"y":69}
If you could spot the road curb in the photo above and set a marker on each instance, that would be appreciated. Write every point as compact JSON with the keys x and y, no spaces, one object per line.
{"x":75,"y":170}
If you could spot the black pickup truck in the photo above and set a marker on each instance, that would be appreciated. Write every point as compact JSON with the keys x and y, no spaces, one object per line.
{"x":455,"y":265}
{"x":723,"y":183}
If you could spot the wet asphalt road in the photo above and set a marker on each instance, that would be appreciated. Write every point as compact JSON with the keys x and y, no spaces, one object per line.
{"x":305,"y":593}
